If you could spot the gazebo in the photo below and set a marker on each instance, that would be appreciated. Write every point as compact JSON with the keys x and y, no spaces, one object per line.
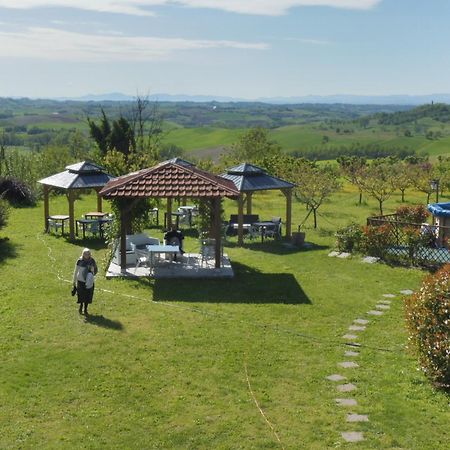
{"x":170,"y":180}
{"x":82,"y":175}
{"x":248,"y":179}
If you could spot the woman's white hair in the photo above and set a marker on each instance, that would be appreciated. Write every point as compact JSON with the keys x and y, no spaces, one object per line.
{"x":85,"y":250}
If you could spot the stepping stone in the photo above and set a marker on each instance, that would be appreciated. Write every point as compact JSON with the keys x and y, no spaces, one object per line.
{"x":407,"y":292}
{"x":352,"y":436}
{"x":353,"y":344}
{"x":346,"y":402}
{"x":335,"y":377}
{"x":346,"y":387}
{"x":350,"y":336}
{"x":385,"y":302}
{"x":385,"y":307}
{"x":332,"y":254}
{"x":370,"y":259}
{"x":350,"y":353}
{"x":357,"y":418}
{"x":344,"y":255}
{"x":348,"y":364}
{"x":356,"y":328}
{"x":375,"y":313}
{"x":389,"y":295}
{"x":361,"y":321}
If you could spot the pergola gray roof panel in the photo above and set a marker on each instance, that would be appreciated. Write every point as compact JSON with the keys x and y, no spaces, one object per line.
{"x":83,"y":175}
{"x":247,"y":178}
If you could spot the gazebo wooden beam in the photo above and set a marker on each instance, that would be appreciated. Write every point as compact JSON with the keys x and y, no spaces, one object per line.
{"x":99,"y":201}
{"x":169,"y":213}
{"x":249,"y":202}
{"x":240,"y":219}
{"x":288,"y":194}
{"x":46,"y":206}
{"x":217,"y":231}
{"x":71,"y":198}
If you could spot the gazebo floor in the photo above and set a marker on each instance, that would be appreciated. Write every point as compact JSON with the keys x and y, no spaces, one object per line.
{"x":190,"y":266}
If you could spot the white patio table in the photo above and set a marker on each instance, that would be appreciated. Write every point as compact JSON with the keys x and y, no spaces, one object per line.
{"x":158,"y":249}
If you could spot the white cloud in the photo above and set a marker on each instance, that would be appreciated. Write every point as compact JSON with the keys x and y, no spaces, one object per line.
{"x":310,"y":41}
{"x":141,"y":7}
{"x":59,"y":45}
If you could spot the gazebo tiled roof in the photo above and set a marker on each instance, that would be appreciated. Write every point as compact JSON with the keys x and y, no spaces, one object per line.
{"x":170,"y":180}
{"x":248,"y":178}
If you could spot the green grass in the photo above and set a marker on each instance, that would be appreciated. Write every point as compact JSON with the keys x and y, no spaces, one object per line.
{"x":163,"y":364}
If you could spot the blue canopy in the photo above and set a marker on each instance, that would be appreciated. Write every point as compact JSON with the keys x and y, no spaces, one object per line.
{"x":439,"y":209}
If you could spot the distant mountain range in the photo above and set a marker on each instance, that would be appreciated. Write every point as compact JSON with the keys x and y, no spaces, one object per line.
{"x":317,"y":99}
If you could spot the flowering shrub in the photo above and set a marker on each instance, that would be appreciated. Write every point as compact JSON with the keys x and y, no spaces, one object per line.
{"x":412,"y":214}
{"x":376,"y":239}
{"x":428,"y":321}
{"x":349,"y":238}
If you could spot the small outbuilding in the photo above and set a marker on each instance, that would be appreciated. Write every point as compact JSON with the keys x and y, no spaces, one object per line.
{"x":82,"y":175}
{"x":170,"y":180}
{"x":248,"y":179}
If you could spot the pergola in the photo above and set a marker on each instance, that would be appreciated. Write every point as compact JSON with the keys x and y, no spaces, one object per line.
{"x":82,"y":175}
{"x":248,"y":179}
{"x":170,"y":180}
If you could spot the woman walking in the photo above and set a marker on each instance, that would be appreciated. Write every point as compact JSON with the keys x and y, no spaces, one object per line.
{"x":83,"y":279}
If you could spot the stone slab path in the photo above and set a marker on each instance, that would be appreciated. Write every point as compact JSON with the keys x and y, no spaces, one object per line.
{"x":350,"y":336}
{"x":353,"y":436}
{"x":361,"y":321}
{"x":356,"y":328}
{"x":335,"y":377}
{"x":350,"y":353}
{"x":348,"y":365}
{"x":375,"y":313}
{"x":346,"y":387}
{"x":346,"y":402}
{"x":357,"y":418}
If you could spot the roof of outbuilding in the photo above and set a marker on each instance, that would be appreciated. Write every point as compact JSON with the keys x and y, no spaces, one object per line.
{"x":168,"y":180}
{"x":248,"y":177}
{"x":82,"y":175}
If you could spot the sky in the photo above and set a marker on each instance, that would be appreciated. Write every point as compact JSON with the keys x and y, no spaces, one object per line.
{"x":238,"y":48}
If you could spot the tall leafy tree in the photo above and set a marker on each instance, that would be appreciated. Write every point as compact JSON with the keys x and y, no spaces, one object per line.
{"x":314,"y":184}
{"x":378,"y":180}
{"x":254,"y":145}
{"x":352,"y":169}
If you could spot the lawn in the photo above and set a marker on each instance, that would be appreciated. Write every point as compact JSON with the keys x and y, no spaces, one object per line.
{"x":178,"y":364}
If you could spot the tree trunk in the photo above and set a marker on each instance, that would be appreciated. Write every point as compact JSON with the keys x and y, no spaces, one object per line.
{"x":428,"y":198}
{"x":380,"y":202}
{"x":315,"y":217}
{"x":360,"y":197}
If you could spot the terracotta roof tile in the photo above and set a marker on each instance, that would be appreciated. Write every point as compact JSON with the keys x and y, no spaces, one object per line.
{"x":170,"y":179}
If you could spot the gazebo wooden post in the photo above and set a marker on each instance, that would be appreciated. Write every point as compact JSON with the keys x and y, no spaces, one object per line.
{"x":288,"y":195}
{"x":241,"y":219}
{"x":169,"y":213}
{"x":249,"y":202}
{"x":99,"y":201}
{"x":123,"y":240}
{"x":46,"y":207}
{"x":71,"y":198}
{"x":217,"y":231}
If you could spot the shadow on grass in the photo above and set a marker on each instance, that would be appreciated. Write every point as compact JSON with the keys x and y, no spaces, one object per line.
{"x":7,"y":250}
{"x":248,"y":286}
{"x":103,"y":322}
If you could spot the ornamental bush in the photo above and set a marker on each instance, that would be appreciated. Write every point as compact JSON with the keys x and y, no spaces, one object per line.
{"x":16,"y":192}
{"x":4,"y":211}
{"x":349,"y":238}
{"x":428,"y":321}
{"x":412,"y":214}
{"x":376,"y":239}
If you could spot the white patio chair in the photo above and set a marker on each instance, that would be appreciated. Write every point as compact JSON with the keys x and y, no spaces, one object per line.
{"x":52,"y":224}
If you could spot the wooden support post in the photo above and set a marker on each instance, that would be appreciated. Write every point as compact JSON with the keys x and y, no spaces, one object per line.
{"x":99,"y":203}
{"x":123,"y":240}
{"x":249,"y":202}
{"x":46,"y":207}
{"x":240,"y":220}
{"x":288,"y":195}
{"x":217,"y":231}
{"x":169,"y":213}
{"x":71,"y":197}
